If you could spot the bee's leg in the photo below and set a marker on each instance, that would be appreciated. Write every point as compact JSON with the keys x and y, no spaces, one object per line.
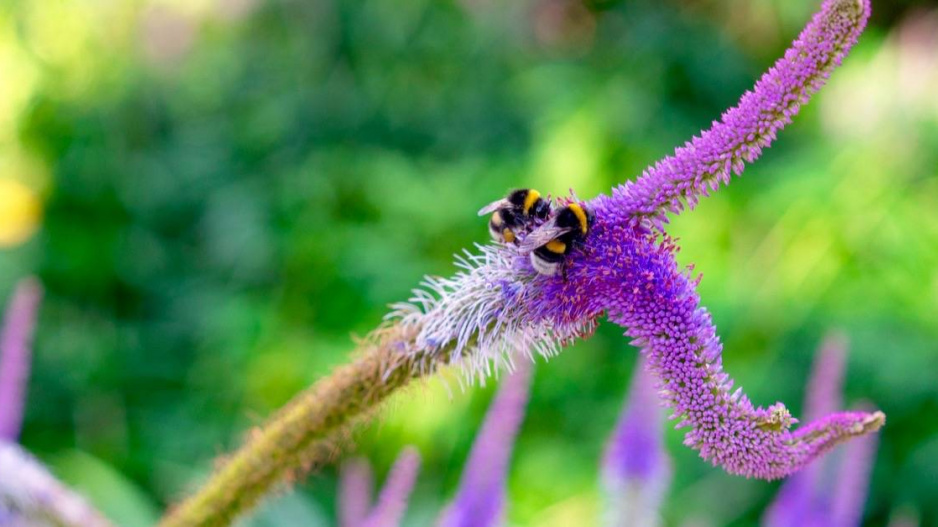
{"x":563,"y":270}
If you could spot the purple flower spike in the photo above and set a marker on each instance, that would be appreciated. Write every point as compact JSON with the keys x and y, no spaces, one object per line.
{"x":744,"y":131}
{"x":392,"y":501}
{"x":15,"y":355}
{"x":636,"y":468}
{"x":480,"y":500}
{"x":826,"y":382}
{"x":355,"y":488}
{"x":499,"y":306}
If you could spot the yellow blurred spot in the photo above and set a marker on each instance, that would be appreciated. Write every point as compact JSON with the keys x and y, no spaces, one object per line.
{"x":569,"y":154}
{"x":571,"y":511}
{"x":19,"y":213}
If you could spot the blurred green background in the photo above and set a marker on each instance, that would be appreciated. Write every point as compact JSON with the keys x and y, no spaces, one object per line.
{"x":217,"y":194}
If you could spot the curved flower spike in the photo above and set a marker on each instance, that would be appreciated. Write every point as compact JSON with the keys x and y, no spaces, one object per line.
{"x":636,"y":467}
{"x":15,"y":337}
{"x":744,"y":131}
{"x":480,"y":500}
{"x":499,"y":305}
{"x":634,"y":277}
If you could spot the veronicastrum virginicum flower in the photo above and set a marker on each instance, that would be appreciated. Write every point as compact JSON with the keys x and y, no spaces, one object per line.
{"x":498,"y":306}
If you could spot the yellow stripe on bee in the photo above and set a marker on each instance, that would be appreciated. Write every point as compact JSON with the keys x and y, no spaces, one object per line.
{"x":580,"y":216}
{"x":508,"y":235}
{"x":556,"y":246}
{"x":531,"y":199}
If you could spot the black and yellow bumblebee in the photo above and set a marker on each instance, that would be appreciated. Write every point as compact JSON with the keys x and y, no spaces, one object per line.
{"x":550,"y":243}
{"x":514,"y":213}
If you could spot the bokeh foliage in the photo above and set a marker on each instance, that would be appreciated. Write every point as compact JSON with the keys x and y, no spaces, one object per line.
{"x":218,"y":194}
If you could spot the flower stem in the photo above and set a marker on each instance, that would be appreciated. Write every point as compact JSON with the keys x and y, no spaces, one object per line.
{"x":301,"y":435}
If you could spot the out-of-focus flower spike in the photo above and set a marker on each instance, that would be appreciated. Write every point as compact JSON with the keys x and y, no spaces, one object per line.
{"x":355,"y":488}
{"x":826,"y":382}
{"x":392,"y":500}
{"x":848,"y":496}
{"x":31,"y":496}
{"x":636,"y":469}
{"x":480,"y":500}
{"x":747,"y":129}
{"x":16,"y":354}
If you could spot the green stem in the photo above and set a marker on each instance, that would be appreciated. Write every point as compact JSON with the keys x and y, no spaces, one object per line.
{"x":302,"y":434}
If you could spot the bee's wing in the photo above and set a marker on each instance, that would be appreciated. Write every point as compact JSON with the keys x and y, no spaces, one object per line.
{"x":493,"y":206}
{"x":542,"y":235}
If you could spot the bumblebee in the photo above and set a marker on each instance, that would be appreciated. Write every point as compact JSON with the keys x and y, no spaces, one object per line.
{"x":550,"y":243}
{"x":515,"y":213}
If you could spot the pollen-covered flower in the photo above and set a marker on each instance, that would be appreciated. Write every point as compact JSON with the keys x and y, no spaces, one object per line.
{"x":625,"y":268}
{"x":636,"y":470}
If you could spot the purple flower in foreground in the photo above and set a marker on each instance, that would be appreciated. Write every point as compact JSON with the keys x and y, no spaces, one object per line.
{"x":355,"y":508}
{"x":480,"y":500}
{"x":499,"y":306}
{"x":15,"y":355}
{"x":830,"y":492}
{"x":636,"y":469}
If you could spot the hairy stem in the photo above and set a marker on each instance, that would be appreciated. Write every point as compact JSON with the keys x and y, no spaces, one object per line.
{"x":301,"y":435}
